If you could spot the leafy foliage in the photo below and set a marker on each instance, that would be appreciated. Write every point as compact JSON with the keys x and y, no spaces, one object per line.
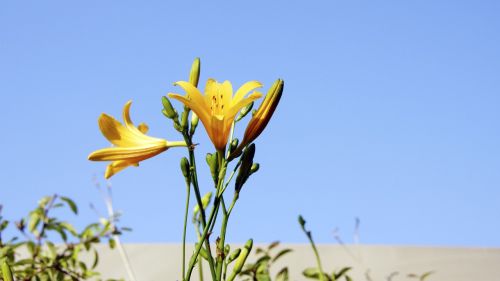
{"x":260,"y":269}
{"x":37,"y":258}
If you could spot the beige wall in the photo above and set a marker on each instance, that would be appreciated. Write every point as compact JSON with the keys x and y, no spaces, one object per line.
{"x":158,"y":262}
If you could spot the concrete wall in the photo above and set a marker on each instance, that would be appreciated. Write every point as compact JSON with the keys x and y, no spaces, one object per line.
{"x":158,"y":262}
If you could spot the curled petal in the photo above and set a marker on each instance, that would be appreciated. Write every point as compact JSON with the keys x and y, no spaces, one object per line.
{"x":131,"y":144}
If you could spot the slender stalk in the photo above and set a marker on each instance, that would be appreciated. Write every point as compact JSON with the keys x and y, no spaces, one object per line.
{"x":188,"y":195}
{"x":198,"y":246}
{"x":200,"y":263}
{"x":222,"y":238}
{"x":124,"y":257}
{"x":194,"y":179}
{"x":226,"y":214}
{"x":209,"y":224}
{"x":318,"y":260}
{"x":108,"y":199}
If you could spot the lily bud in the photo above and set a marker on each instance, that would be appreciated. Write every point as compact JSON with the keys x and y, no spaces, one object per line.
{"x":213,"y":164}
{"x":226,"y":250}
{"x":185,"y":167}
{"x":261,"y":117}
{"x":234,"y":255}
{"x":194,"y":75}
{"x":184,"y":118}
{"x":194,"y":123}
{"x":233,"y":145}
{"x":244,"y":111}
{"x":246,"y":165}
{"x":241,"y":260}
{"x":255,"y":167}
{"x":302,"y":221}
{"x":222,"y":172}
{"x":168,"y":109}
{"x":203,"y":252}
{"x":205,"y":200}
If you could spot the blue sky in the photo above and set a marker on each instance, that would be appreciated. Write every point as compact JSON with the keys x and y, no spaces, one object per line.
{"x":390,"y":112}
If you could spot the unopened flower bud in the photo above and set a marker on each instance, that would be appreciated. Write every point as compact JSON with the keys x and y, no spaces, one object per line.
{"x":177,"y":126}
{"x":222,"y":173}
{"x":184,"y":118}
{"x":168,"y":109}
{"x":205,"y":200}
{"x":194,"y":75}
{"x":213,"y":164}
{"x":246,"y":165}
{"x":234,"y":255}
{"x":233,"y":145}
{"x":227,"y":248}
{"x":244,"y":111}
{"x":255,"y":167}
{"x":185,"y":167}
{"x":240,"y":262}
{"x":203,"y":252}
{"x":302,"y":221}
{"x":194,"y":123}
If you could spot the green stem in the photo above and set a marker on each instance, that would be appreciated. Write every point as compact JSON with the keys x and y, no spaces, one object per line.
{"x":176,"y":143}
{"x":204,"y":236}
{"x":318,"y":260}
{"x":188,"y":195}
{"x":220,"y":259}
{"x":226,"y":213}
{"x":200,"y":263}
{"x":194,"y":179}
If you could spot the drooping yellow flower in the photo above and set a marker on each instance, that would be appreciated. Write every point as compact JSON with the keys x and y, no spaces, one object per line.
{"x":131,"y":144}
{"x":218,"y":108}
{"x":261,"y":117}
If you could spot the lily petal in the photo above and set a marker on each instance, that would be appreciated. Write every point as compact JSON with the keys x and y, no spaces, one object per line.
{"x":245,"y":89}
{"x":124,"y":153}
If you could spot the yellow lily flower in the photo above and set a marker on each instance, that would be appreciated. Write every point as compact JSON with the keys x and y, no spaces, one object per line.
{"x":131,"y":144}
{"x":261,"y":117}
{"x":218,"y":108}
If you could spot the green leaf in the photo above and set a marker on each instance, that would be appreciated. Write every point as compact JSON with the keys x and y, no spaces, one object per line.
{"x":34,"y":220}
{"x":3,"y":225}
{"x":259,"y":251}
{"x":96,"y":259}
{"x":312,"y":273}
{"x":42,"y":203}
{"x":112,"y":243}
{"x":263,"y":277}
{"x":7,"y":272}
{"x":31,"y":247}
{"x":59,"y":229}
{"x":71,"y":204}
{"x":281,"y":253}
{"x":69,"y":228}
{"x":424,"y":276}
{"x":52,"y":249}
{"x":273,"y":245}
{"x":342,"y":272}
{"x":82,"y":265}
{"x":282,"y":275}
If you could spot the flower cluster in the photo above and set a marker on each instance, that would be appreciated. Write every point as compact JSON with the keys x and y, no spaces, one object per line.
{"x":216,"y":108}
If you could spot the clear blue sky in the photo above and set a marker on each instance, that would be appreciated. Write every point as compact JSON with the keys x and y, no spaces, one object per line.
{"x":390,"y":112}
